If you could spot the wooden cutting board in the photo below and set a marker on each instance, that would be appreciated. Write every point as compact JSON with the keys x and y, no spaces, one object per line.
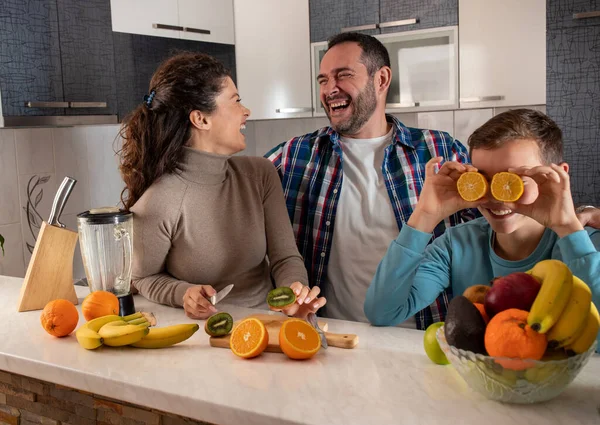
{"x":273,"y":324}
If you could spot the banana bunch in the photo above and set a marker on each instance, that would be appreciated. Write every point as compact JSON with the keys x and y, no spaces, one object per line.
{"x":134,"y":330}
{"x":563,"y":308}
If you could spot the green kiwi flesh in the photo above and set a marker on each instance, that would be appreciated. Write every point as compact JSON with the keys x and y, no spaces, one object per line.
{"x":219,"y":324}
{"x":281,"y":297}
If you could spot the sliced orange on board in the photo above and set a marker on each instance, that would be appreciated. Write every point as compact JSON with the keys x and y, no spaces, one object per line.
{"x":249,"y":338}
{"x":507,"y":187}
{"x":472,"y":186}
{"x":298,"y":339}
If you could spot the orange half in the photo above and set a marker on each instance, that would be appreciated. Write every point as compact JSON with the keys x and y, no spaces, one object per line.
{"x":472,"y":186}
{"x":249,"y":338}
{"x":507,"y":187}
{"x":298,"y":339}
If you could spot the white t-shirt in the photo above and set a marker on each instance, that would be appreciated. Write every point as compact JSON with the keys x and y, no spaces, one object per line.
{"x":365,"y":226}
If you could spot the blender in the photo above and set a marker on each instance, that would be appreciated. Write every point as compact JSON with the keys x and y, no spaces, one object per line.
{"x":106,"y":242}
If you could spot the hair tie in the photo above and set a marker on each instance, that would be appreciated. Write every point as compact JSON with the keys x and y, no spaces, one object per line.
{"x":148,"y":98}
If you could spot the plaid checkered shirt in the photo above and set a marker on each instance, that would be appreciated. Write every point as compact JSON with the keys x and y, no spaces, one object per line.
{"x":310,"y":168}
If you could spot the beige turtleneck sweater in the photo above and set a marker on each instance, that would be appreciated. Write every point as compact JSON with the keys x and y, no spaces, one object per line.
{"x":215,"y":223}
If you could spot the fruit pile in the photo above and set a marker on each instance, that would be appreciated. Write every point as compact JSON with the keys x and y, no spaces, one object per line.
{"x":105,"y":327}
{"x":545,"y":313}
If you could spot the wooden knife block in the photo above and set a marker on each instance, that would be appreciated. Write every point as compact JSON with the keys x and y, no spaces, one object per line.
{"x":50,"y":271}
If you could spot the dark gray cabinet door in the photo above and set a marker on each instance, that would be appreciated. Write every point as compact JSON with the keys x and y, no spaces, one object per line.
{"x":30,"y":68}
{"x":328,"y":17}
{"x":573,"y":101}
{"x":138,"y":56}
{"x":559,"y":13}
{"x":86,"y":47}
{"x":430,"y":13}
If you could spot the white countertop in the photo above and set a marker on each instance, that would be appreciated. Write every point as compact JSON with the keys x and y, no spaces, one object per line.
{"x":387,"y":379}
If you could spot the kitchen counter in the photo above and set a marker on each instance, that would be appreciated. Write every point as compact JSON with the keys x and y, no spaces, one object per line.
{"x":386,"y":379}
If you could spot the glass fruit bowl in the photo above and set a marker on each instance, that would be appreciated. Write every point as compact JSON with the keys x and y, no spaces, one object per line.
{"x":514,"y":380}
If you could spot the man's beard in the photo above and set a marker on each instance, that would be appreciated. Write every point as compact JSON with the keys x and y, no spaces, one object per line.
{"x":364,"y":105}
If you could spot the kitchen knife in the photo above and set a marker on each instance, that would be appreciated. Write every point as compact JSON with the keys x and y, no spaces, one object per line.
{"x":312,"y":319}
{"x":60,"y":199}
{"x":221,"y":294}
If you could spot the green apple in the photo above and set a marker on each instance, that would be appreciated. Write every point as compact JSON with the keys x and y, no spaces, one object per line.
{"x":431,"y":345}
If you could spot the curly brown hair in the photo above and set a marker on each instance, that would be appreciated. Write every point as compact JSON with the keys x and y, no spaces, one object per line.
{"x":155,"y":133}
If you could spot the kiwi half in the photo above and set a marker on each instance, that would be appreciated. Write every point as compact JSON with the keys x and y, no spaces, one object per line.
{"x":281,"y":297}
{"x":219,"y":324}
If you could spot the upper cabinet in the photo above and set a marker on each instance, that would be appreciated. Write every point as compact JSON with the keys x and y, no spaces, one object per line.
{"x":502,"y":49}
{"x":330,"y":17}
{"x":200,"y":20}
{"x":57,"y":60}
{"x":409,"y":15}
{"x":272,"y":56}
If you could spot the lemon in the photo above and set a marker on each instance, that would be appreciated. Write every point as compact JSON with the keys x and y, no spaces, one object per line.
{"x":431,"y":345}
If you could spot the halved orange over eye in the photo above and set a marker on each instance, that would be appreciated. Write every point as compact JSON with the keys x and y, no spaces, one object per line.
{"x":507,"y":187}
{"x":472,"y":186}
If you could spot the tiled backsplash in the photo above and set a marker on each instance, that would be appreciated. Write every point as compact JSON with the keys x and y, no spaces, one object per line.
{"x":33,"y":163}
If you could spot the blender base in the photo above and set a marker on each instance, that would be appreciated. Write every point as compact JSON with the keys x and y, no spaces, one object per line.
{"x":126,"y":305}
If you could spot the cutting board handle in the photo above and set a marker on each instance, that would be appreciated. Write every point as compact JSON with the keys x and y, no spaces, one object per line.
{"x":341,"y":340}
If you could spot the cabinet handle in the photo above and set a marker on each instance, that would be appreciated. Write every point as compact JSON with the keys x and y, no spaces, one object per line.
{"x":292,"y":110}
{"x":410,"y":21}
{"x":167,"y":27}
{"x":402,"y":105}
{"x":480,"y":99}
{"x":196,"y":30}
{"x":360,"y":28}
{"x":584,"y":15}
{"x":87,"y":105}
{"x":46,"y":104}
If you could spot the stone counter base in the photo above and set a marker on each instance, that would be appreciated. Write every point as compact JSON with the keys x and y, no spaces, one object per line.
{"x":28,"y":401}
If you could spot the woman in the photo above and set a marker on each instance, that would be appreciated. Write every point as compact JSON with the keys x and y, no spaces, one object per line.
{"x":203,"y":218}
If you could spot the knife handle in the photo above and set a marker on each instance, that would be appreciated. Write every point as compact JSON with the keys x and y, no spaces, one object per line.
{"x":341,"y":340}
{"x":65,"y":189}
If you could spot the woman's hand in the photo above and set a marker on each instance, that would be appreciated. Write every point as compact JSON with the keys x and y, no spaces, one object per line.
{"x":306,"y":301}
{"x":196,"y":304}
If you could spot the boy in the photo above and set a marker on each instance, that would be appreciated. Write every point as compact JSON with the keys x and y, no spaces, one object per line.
{"x":510,"y":237}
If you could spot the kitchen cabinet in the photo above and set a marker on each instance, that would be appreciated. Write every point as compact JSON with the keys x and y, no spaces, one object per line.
{"x":201,"y":20}
{"x":57,"y":60}
{"x":424,"y":67}
{"x":572,"y":14}
{"x":272,"y":56}
{"x":502,"y":53}
{"x":88,"y":63}
{"x":396,"y":16}
{"x":30,"y":65}
{"x":330,"y":17}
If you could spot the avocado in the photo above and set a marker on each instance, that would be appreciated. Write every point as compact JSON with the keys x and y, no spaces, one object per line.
{"x":465,"y":327}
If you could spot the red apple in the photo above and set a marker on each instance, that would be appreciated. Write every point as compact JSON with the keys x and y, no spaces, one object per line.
{"x":516,"y":290}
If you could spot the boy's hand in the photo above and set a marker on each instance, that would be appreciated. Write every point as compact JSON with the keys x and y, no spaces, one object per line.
{"x":439,"y":197}
{"x":553,"y":206}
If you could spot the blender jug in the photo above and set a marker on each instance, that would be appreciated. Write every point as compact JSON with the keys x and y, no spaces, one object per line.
{"x":106,"y":242}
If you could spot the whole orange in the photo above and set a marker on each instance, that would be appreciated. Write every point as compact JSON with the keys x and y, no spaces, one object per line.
{"x":98,"y":304}
{"x":508,"y":335}
{"x":59,"y":317}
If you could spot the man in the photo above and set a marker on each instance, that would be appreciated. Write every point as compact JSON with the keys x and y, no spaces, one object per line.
{"x":343,"y":230}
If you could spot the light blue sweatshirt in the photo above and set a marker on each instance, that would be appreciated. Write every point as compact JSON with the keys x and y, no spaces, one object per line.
{"x":413,"y":272}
